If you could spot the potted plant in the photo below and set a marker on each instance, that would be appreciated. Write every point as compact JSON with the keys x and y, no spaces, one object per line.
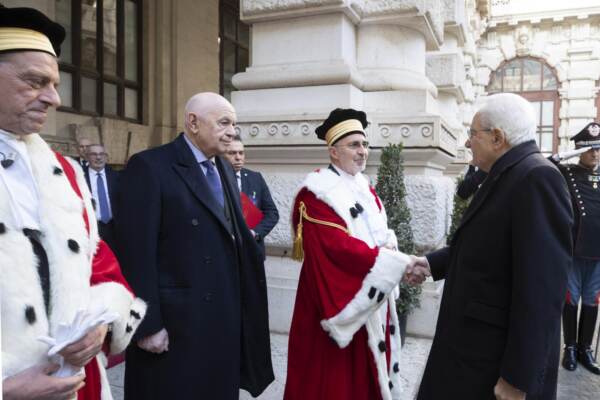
{"x":392,"y":191}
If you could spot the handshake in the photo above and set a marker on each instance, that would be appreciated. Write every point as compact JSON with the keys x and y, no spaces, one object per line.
{"x":417,"y":270}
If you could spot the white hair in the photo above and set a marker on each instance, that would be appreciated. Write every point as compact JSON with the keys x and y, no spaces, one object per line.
{"x":511,"y":113}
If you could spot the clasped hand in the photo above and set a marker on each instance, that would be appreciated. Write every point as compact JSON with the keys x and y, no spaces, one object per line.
{"x":417,"y":270}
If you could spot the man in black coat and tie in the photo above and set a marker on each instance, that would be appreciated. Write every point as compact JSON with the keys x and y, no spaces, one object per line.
{"x":82,"y":149}
{"x":186,"y":249}
{"x":103,"y":183}
{"x":253,"y":185}
{"x":498,"y":330}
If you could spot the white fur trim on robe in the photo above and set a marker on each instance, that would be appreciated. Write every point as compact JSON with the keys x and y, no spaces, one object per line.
{"x":70,"y":250}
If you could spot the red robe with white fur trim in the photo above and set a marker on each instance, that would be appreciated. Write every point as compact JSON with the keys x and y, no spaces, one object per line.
{"x":344,"y":340}
{"x":83,"y":275}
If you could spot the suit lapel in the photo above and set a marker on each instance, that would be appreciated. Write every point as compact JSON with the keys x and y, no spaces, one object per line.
{"x":245,"y":182}
{"x":190,"y":172}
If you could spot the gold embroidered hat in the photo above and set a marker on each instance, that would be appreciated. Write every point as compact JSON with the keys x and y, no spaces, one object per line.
{"x":25,"y":29}
{"x":340,"y":123}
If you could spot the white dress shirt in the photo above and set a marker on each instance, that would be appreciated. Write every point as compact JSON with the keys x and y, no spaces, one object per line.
{"x":19,"y":182}
{"x":94,"y":184}
{"x":238,"y":178}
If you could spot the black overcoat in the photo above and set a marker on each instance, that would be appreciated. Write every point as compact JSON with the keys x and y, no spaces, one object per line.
{"x":202,"y":283}
{"x":506,"y":274}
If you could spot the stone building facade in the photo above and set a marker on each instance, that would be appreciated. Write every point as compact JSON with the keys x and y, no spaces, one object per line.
{"x":419,"y":68}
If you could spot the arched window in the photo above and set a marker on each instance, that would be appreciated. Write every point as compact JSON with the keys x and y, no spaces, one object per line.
{"x":535,"y":81}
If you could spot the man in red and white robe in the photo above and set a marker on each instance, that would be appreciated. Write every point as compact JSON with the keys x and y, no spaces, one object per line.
{"x":52,"y":262}
{"x":344,"y":340}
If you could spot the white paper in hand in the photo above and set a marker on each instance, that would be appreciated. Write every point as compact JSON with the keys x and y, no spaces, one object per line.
{"x":66,"y":334}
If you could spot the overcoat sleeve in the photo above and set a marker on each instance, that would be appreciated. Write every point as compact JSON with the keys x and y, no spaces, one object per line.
{"x":137,"y":228}
{"x":541,"y":240}
{"x":268,"y":208}
{"x":438,"y":262}
{"x":350,"y":280}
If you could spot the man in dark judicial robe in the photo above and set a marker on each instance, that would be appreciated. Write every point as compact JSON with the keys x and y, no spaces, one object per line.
{"x":186,"y":248}
{"x":498,"y":330}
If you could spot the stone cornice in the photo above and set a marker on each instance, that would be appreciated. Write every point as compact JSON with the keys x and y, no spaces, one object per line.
{"x":426,"y":16}
{"x":546,"y":17}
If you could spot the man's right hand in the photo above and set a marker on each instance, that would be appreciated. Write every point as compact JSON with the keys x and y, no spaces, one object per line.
{"x":157,"y":343}
{"x":35,"y":383}
{"x":417,"y":270}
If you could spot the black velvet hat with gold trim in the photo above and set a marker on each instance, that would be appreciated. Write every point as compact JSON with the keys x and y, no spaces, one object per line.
{"x":27,"y":29}
{"x":342,"y":122}
{"x":585,"y":138}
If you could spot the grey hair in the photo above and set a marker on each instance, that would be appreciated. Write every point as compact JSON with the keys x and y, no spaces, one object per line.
{"x":512,"y":114}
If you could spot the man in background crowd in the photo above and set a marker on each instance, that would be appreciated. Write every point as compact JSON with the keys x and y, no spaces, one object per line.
{"x":82,"y":148}
{"x":255,"y":189}
{"x":103,"y":183}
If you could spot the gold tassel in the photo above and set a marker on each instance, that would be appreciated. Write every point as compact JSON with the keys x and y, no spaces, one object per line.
{"x":298,"y":251}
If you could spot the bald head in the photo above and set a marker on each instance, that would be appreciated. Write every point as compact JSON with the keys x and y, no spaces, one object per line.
{"x":209,"y":123}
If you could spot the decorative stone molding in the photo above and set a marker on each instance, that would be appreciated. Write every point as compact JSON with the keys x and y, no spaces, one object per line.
{"x":455,"y":19}
{"x":423,"y":15}
{"x":430,"y":132}
{"x":284,"y":132}
{"x":251,"y":8}
{"x":446,"y":70}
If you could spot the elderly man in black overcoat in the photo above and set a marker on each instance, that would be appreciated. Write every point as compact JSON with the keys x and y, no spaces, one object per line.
{"x":185,"y":247}
{"x":498,"y":330}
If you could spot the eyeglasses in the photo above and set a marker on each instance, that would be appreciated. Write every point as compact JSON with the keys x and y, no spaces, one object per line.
{"x":356,"y":145}
{"x":471,"y":132}
{"x":96,"y":154}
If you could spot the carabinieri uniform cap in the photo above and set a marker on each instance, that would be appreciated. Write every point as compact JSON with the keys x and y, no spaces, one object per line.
{"x":340,"y":123}
{"x":27,"y":29}
{"x":585,"y":138}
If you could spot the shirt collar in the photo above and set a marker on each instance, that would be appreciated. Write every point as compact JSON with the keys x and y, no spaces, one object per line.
{"x":101,"y":172}
{"x":198,"y":154}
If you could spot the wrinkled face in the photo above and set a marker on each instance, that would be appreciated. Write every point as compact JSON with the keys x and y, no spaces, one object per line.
{"x":594,"y":130}
{"x":82,"y":147}
{"x":480,"y":143}
{"x":97,"y":157}
{"x":350,"y":153}
{"x":590,"y":158}
{"x":235,"y":154}
{"x":28,"y":80}
{"x":213,"y":131}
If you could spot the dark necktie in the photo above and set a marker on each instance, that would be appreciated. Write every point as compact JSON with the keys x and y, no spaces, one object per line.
{"x":214,"y":181}
{"x":102,"y":199}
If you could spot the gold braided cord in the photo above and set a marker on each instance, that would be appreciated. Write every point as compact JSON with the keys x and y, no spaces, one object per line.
{"x":298,"y":250}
